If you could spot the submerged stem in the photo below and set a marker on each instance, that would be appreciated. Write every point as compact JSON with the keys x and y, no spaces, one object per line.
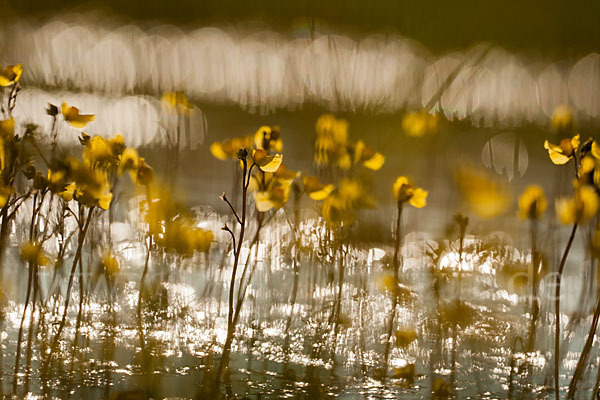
{"x":557,"y":311}
{"x":396,"y":266}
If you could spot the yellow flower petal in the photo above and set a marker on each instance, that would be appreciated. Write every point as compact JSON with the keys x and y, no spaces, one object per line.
{"x":72,"y":116}
{"x":485,"y":196}
{"x":145,"y":173}
{"x":263,"y":201}
{"x":315,"y":189}
{"x":532,"y":202}
{"x":322,"y":193}
{"x":419,"y":123}
{"x":401,"y":187}
{"x":270,"y":163}
{"x":575,"y":141}
{"x":590,"y":202}
{"x":67,"y":194}
{"x":595,"y":150}
{"x":216,"y":149}
{"x":555,"y":154}
{"x":261,"y":134}
{"x":566,"y":210}
{"x":129,"y":161}
{"x":376,"y":162}
{"x":419,"y":198}
{"x":105,"y":200}
{"x":11,"y":75}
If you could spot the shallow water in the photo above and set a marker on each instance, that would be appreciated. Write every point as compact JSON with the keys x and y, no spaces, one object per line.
{"x":184,"y":322}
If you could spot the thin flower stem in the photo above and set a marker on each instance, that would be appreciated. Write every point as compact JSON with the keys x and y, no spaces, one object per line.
{"x":584,"y":353}
{"x":396,"y":266}
{"x":224,"y":361}
{"x":226,"y":200}
{"x":534,"y":283}
{"x":557,"y":311}
{"x":61,"y":327}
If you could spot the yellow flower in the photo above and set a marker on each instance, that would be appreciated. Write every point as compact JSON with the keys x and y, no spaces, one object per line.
{"x":335,"y":213}
{"x":331,"y":144}
{"x":98,"y":151}
{"x":315,"y":189}
{"x":145,"y":173}
{"x":94,"y":197}
{"x":274,"y":196}
{"x":229,"y":148}
{"x":341,"y":206}
{"x":57,"y":183}
{"x":562,"y":153}
{"x":419,"y":123}
{"x":33,"y":253}
{"x":10,"y":75}
{"x":404,"y":192}
{"x":532,"y":202}
{"x":110,"y":263}
{"x":562,"y":118}
{"x":266,"y":162}
{"x":171,"y":226}
{"x":92,"y":187}
{"x":269,"y":139}
{"x":589,"y":171}
{"x":177,"y":100}
{"x":117,"y":145}
{"x":351,"y":190}
{"x":580,"y":208}
{"x":285,"y":174}
{"x":7,"y":129}
{"x":368,"y":157}
{"x":129,"y":162}
{"x":72,"y":116}
{"x":485,"y":196}
{"x":68,"y":193}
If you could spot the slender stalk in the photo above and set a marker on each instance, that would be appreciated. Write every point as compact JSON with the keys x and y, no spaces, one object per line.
{"x":579,"y":369}
{"x":224,"y":361}
{"x":31,"y":327}
{"x":338,"y":306}
{"x":557,"y":311}
{"x":288,"y":325}
{"x":462,"y":224}
{"x":535,"y":308}
{"x":396,"y":266}
{"x":61,"y":327}
{"x":27,"y":296}
{"x":139,"y":311}
{"x":20,"y":336}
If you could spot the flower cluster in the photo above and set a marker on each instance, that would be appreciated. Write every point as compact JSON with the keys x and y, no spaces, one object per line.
{"x":334,"y":147}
